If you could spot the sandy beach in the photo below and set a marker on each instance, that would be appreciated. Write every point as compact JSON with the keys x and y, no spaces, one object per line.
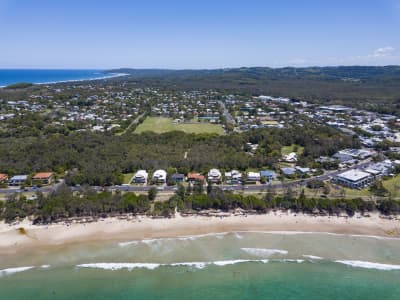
{"x":136,"y":228}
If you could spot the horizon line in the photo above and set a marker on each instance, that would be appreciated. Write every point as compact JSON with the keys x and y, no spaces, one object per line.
{"x":195,"y":69}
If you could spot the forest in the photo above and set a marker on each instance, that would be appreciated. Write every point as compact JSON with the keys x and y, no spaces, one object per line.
{"x":100,"y":159}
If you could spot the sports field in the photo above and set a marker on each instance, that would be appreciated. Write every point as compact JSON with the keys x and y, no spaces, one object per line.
{"x":161,"y":125}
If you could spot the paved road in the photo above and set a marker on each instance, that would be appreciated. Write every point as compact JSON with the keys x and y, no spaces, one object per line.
{"x":134,"y":122}
{"x":169,"y":189}
{"x":226,"y":113}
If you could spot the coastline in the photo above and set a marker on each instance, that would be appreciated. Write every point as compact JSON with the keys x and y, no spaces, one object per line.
{"x":103,"y":77}
{"x":139,"y":228}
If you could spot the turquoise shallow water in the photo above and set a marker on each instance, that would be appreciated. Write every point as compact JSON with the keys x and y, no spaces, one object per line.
{"x":241,"y":281}
{"x":228,"y":266}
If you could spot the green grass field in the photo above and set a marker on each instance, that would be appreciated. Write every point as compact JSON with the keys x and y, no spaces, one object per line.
{"x":128,"y":177}
{"x":393,"y":186}
{"x":162,"y":125}
{"x":289,"y":149}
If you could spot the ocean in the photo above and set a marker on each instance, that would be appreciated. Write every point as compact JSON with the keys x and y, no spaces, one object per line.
{"x":11,"y":76}
{"x":241,"y":265}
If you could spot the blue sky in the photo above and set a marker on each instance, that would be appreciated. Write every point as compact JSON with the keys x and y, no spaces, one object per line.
{"x":198,"y":34}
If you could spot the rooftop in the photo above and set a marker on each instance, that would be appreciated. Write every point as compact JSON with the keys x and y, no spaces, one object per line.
{"x":354,"y":175}
{"x":42,"y":175}
{"x":19,"y":177}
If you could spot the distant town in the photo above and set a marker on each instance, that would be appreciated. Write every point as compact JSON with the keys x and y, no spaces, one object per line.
{"x":116,"y":108}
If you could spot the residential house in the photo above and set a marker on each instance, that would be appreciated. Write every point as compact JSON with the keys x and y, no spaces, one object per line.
{"x":253,"y":176}
{"x":177,"y":178}
{"x":268,"y":174}
{"x":233,"y":177}
{"x":3,"y":178}
{"x":303,"y":171}
{"x":214,"y":176}
{"x":18,"y":180}
{"x":192,"y":177}
{"x":43,"y":178}
{"x":160,"y":176}
{"x":290,"y":158}
{"x":140,"y":177}
{"x":287,"y":171}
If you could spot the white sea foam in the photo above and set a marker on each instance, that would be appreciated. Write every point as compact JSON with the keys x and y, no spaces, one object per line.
{"x":264,"y":252}
{"x":299,"y":261}
{"x":45,"y":266}
{"x":238,"y":236}
{"x":10,"y":271}
{"x":125,"y":244}
{"x":152,"y":266}
{"x":179,"y":238}
{"x":197,"y":265}
{"x":368,"y":265}
{"x":312,"y":257}
{"x":237,"y":261}
{"x":322,"y":233}
{"x":120,"y":266}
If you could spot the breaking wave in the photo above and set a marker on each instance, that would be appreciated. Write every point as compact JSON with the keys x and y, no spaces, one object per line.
{"x":264,"y":252}
{"x":152,"y":266}
{"x":10,"y":271}
{"x":180,"y":238}
{"x":312,"y":256}
{"x":368,"y":265}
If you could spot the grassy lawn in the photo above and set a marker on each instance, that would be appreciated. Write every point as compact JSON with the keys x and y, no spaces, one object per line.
{"x":289,"y":149}
{"x":161,"y":125}
{"x":393,"y":186}
{"x":354,"y":193}
{"x":337,"y":192}
{"x":128,"y":177}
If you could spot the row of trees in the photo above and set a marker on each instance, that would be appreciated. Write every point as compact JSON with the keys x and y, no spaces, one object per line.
{"x":222,"y":200}
{"x":63,"y":204}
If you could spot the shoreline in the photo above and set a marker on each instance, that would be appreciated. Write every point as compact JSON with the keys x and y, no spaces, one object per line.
{"x":112,"y":75}
{"x":141,"y":228}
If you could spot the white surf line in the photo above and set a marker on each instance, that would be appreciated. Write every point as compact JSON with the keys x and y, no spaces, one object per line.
{"x":264,"y":251}
{"x":10,"y":271}
{"x":368,"y":265}
{"x":321,"y":233}
{"x":180,"y":238}
{"x":152,"y":266}
{"x":312,"y":257}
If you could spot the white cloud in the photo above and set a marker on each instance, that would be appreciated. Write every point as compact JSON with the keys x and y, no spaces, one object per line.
{"x":298,"y":61}
{"x":382,"y":56}
{"x":383,"y":52}
{"x":379,"y":55}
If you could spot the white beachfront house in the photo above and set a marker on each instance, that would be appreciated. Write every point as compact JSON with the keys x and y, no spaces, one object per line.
{"x":140,"y":177}
{"x":160,"y":176}
{"x":253,"y":176}
{"x":214,"y":175}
